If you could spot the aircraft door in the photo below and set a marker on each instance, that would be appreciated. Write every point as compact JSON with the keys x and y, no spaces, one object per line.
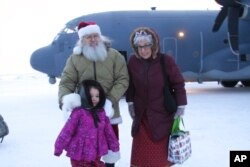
{"x":170,"y":46}
{"x":187,"y":52}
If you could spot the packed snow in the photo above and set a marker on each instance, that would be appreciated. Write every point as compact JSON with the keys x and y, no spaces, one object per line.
{"x":217,"y":118}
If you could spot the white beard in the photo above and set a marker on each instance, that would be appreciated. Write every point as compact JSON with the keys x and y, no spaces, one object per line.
{"x":97,"y":53}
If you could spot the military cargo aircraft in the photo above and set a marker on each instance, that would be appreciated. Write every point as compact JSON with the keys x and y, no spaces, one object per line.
{"x":208,"y":45}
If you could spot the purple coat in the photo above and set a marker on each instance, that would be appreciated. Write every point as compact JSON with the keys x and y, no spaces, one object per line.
{"x":82,"y":140}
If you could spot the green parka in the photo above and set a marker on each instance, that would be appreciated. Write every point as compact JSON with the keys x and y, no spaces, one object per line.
{"x":112,"y":74}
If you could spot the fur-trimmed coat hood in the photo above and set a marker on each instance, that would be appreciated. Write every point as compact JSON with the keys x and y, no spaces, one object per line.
{"x":73,"y":100}
{"x":155,"y":37}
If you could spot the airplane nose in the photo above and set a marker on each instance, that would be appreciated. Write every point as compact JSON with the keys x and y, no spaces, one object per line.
{"x":43,"y":60}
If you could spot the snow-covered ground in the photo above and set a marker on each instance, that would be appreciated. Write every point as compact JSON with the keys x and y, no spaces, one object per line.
{"x":217,"y":117}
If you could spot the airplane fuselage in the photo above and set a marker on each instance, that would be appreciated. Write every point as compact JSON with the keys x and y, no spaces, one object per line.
{"x":201,"y":54}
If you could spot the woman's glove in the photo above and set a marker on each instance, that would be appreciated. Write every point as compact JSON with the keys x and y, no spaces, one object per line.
{"x":131,"y":109}
{"x":180,"y":111}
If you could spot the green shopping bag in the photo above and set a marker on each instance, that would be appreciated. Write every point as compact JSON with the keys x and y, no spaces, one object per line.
{"x":179,"y":146}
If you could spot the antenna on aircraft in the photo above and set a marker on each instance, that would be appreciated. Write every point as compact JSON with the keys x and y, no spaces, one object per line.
{"x":153,"y":8}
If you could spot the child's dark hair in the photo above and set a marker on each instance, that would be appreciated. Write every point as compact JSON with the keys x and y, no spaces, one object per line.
{"x":87,"y":85}
{"x":86,"y":97}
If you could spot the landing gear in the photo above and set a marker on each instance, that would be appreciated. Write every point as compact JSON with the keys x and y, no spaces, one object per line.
{"x":246,"y":83}
{"x":52,"y":80}
{"x":229,"y":84}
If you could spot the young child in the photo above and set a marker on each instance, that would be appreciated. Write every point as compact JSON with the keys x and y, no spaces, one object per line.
{"x":87,"y":136}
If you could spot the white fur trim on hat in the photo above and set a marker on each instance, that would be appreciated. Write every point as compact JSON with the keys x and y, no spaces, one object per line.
{"x":77,"y":50}
{"x":90,"y":29}
{"x":111,"y":157}
{"x":108,"y":108}
{"x":70,"y":102}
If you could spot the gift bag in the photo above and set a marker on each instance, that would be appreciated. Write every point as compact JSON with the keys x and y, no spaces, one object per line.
{"x":179,"y":146}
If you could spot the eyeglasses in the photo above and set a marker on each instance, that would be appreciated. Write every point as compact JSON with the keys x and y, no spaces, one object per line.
{"x":94,"y":36}
{"x":144,"y":46}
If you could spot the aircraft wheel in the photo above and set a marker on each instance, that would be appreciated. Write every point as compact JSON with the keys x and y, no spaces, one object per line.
{"x":246,"y":83}
{"x":52,"y":80}
{"x":229,"y":84}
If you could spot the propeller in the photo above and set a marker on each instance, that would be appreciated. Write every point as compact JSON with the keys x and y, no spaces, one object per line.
{"x":233,"y":10}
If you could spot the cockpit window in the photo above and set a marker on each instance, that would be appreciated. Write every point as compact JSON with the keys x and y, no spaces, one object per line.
{"x":65,"y":30}
{"x":56,"y":37}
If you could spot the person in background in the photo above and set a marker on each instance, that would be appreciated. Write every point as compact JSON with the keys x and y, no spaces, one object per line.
{"x":87,"y":135}
{"x":152,"y":123}
{"x":93,"y":58}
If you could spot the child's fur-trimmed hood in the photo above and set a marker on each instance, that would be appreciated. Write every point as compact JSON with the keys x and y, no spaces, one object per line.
{"x":73,"y":100}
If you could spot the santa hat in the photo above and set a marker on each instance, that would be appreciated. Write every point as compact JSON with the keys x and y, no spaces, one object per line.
{"x":86,"y":28}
